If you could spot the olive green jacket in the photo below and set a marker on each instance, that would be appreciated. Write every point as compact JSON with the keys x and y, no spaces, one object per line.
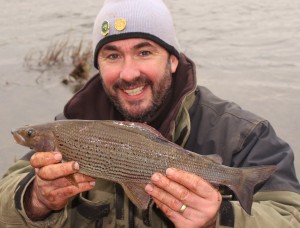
{"x":199,"y":121}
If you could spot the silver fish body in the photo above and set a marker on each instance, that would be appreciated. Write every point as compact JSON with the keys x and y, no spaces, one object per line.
{"x":129,"y":153}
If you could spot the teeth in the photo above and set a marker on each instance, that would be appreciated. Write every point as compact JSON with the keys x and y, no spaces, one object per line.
{"x":133,"y":92}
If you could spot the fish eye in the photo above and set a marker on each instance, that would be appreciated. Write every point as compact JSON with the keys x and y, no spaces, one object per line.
{"x":30,"y":132}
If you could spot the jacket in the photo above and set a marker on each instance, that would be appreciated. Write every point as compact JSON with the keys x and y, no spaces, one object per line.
{"x":195,"y":119}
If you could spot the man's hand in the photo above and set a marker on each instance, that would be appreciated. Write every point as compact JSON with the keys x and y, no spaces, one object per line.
{"x":51,"y":190}
{"x":186,"y":199}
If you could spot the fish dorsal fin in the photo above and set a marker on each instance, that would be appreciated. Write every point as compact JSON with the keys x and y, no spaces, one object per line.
{"x":215,"y":158}
{"x":136,"y":193}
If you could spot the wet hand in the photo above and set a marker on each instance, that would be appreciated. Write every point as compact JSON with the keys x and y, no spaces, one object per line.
{"x":51,"y":189}
{"x":186,"y":199}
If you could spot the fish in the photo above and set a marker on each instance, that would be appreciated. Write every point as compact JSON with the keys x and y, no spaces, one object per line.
{"x":128,"y":153}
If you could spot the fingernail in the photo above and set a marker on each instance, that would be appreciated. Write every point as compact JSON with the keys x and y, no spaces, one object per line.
{"x":155,"y":177}
{"x":32,"y":157}
{"x":36,"y":170}
{"x":170,"y":171}
{"x":57,"y":156}
{"x":93,"y":183}
{"x":75,"y":166}
{"x":149,"y":188}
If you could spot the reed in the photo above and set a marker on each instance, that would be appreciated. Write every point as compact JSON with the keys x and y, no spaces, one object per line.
{"x":63,"y":53}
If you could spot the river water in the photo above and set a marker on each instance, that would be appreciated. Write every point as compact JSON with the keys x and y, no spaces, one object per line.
{"x":245,"y":51}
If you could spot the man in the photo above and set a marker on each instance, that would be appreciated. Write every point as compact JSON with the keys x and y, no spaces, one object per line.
{"x":143,"y":77}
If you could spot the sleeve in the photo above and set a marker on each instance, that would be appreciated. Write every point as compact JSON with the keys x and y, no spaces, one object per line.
{"x":276,"y":202}
{"x":270,"y":209}
{"x":12,"y":188}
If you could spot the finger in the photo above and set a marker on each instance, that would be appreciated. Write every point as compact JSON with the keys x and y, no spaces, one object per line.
{"x":173,"y":188}
{"x":40,"y":159}
{"x":65,"y":181}
{"x":158,"y":191}
{"x":192,"y":182}
{"x":56,"y":199}
{"x":189,"y":218}
{"x":49,"y":185}
{"x":54,"y":171}
{"x":174,"y":216}
{"x":197,"y":209}
{"x":167,"y":191}
{"x":82,"y":178}
{"x":172,"y":194}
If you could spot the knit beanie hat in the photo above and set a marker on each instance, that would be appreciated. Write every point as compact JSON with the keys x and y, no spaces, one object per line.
{"x":124,"y":19}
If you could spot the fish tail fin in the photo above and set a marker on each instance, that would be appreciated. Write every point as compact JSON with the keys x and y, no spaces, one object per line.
{"x":249,"y":178}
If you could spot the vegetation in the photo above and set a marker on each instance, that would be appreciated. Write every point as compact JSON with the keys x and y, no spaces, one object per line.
{"x":63,"y":53}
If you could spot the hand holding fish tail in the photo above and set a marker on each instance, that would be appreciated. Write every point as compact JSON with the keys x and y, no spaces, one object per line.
{"x":50,"y":189}
{"x":186,"y":199}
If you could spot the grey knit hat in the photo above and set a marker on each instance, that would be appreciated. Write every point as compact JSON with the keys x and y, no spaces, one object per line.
{"x":124,"y":19}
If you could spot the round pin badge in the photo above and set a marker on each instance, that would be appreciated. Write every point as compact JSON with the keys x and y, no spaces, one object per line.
{"x":105,"y":28}
{"x":120,"y":24}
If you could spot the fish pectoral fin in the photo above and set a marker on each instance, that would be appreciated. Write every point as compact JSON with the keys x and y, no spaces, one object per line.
{"x":136,"y":193}
{"x":72,"y":180}
{"x":215,"y":158}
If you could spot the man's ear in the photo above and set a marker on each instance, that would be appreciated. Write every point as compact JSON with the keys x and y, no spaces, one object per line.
{"x":174,"y":63}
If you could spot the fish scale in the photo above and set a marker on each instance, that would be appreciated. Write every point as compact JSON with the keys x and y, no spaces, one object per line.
{"x":129,"y":153}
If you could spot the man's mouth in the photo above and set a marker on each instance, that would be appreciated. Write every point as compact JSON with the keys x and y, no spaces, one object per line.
{"x":135,"y":91}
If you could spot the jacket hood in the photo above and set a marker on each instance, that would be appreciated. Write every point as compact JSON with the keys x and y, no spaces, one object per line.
{"x":92,"y":103}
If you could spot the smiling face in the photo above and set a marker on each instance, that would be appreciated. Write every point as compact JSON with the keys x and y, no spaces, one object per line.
{"x":137,"y":76}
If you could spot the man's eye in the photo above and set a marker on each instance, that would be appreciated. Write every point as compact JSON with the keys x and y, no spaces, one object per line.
{"x":145,"y":53}
{"x":113,"y":56}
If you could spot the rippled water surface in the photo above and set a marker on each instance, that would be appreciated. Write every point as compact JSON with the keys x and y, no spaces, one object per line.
{"x":245,"y":51}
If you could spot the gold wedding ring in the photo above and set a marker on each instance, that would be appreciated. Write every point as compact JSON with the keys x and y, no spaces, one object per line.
{"x":182,"y":209}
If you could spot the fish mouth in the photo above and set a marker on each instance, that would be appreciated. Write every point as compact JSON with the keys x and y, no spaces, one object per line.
{"x":18,"y":138}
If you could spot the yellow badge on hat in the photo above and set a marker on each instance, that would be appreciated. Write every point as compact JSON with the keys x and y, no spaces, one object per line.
{"x":105,"y":28}
{"x":120,"y":24}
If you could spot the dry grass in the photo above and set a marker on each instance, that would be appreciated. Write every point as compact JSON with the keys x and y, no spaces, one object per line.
{"x":63,"y":53}
{"x":42,"y":60}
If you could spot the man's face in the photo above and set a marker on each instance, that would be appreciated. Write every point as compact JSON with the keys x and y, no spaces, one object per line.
{"x":137,"y":76}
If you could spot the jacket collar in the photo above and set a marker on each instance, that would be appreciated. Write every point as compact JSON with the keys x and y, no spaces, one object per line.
{"x":91,"y":102}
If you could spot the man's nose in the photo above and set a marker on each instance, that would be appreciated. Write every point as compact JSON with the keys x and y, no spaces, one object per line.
{"x":129,"y":70}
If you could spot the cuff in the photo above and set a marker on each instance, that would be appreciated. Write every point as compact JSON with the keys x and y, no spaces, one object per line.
{"x":56,"y":219}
